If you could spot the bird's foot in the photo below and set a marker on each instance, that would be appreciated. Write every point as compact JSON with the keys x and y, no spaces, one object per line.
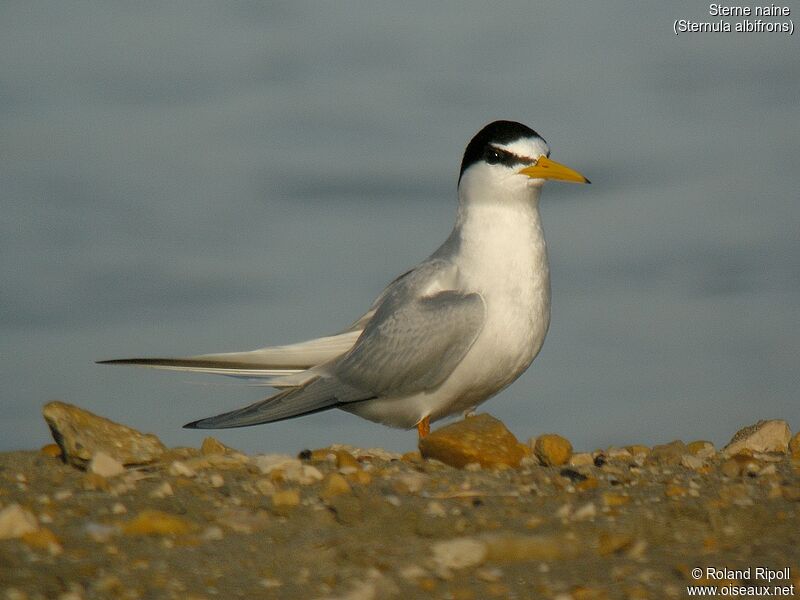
{"x":424,"y":427}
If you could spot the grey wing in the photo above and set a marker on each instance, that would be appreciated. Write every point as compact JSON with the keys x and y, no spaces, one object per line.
{"x":414,"y":340}
{"x":412,"y":343}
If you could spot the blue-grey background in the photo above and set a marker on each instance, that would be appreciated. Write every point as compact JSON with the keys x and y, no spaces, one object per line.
{"x":194,"y":177}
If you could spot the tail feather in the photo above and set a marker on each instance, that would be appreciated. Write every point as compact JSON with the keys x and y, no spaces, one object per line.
{"x":270,"y":362}
{"x":318,"y":395}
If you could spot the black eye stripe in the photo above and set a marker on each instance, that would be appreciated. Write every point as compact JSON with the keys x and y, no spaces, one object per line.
{"x":495,"y":155}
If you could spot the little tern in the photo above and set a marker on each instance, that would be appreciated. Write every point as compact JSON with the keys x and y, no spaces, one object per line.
{"x":443,"y":337}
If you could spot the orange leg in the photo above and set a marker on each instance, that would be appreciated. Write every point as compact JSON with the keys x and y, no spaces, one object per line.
{"x":424,"y":427}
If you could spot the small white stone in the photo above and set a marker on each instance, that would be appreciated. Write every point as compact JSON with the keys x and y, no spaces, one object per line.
{"x":267,"y":463}
{"x":62,"y":495}
{"x":393,"y":500}
{"x":435,"y":509}
{"x":217,"y":480}
{"x":690,"y":461}
{"x":119,"y":508}
{"x":587,"y":511}
{"x":564,"y":511}
{"x":162,"y":491}
{"x":413,"y":482}
{"x":16,"y":521}
{"x":179,"y":468}
{"x":106,"y":466}
{"x":459,"y":553}
{"x":101,"y":533}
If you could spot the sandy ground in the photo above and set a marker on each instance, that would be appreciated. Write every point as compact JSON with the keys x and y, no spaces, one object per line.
{"x":367,"y":524}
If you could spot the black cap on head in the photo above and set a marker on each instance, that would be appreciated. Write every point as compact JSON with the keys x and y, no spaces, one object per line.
{"x":497,"y":132}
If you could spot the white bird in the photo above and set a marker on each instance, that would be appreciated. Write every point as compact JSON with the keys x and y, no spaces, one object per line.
{"x":440,"y":339}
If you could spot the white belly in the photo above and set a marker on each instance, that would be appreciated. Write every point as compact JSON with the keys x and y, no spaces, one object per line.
{"x":512,"y":275}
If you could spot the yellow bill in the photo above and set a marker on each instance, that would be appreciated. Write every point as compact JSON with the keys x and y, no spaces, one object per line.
{"x":550,"y":169}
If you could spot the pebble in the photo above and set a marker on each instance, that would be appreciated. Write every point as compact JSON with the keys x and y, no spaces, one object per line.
{"x":692,"y":461}
{"x":335,"y":485}
{"x":346,"y":462}
{"x":81,"y":434}
{"x":104,"y":465}
{"x":459,"y":553}
{"x":16,"y":521}
{"x":480,"y":439}
{"x":701,"y":449}
{"x":179,"y":468}
{"x":585,"y":512}
{"x":615,"y":453}
{"x":286,"y":498}
{"x":101,"y":533}
{"x":764,"y":436}
{"x":43,"y":539}
{"x":212,"y":445}
{"x":156,"y":522}
{"x":216,"y":480}
{"x":581,"y":459}
{"x":281,"y":467}
{"x":667,"y":454}
{"x":638,"y":450}
{"x":162,"y":491}
{"x":552,"y":450}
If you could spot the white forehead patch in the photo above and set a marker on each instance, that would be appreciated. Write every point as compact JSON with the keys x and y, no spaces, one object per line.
{"x":526,"y":147}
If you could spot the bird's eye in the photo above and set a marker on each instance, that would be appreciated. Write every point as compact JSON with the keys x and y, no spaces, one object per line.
{"x":492,"y":156}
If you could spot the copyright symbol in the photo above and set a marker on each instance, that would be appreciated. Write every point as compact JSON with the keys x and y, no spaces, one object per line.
{"x":697,"y":573}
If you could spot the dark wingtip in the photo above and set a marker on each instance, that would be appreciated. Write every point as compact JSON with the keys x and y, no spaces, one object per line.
{"x":195,"y":425}
{"x":122,"y":361}
{"x":587,"y":180}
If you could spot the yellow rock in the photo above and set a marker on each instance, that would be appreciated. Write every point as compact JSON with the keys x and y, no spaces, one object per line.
{"x":589,"y":483}
{"x":481,"y":439}
{"x":581,"y":459}
{"x":212,"y":445}
{"x":552,"y":450}
{"x":286,"y":498}
{"x":700,"y":447}
{"x":43,"y":539}
{"x":412,"y":457}
{"x":612,"y":499}
{"x":156,"y":522}
{"x":335,"y":485}
{"x":638,"y":449}
{"x":53,"y":450}
{"x":346,"y":461}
